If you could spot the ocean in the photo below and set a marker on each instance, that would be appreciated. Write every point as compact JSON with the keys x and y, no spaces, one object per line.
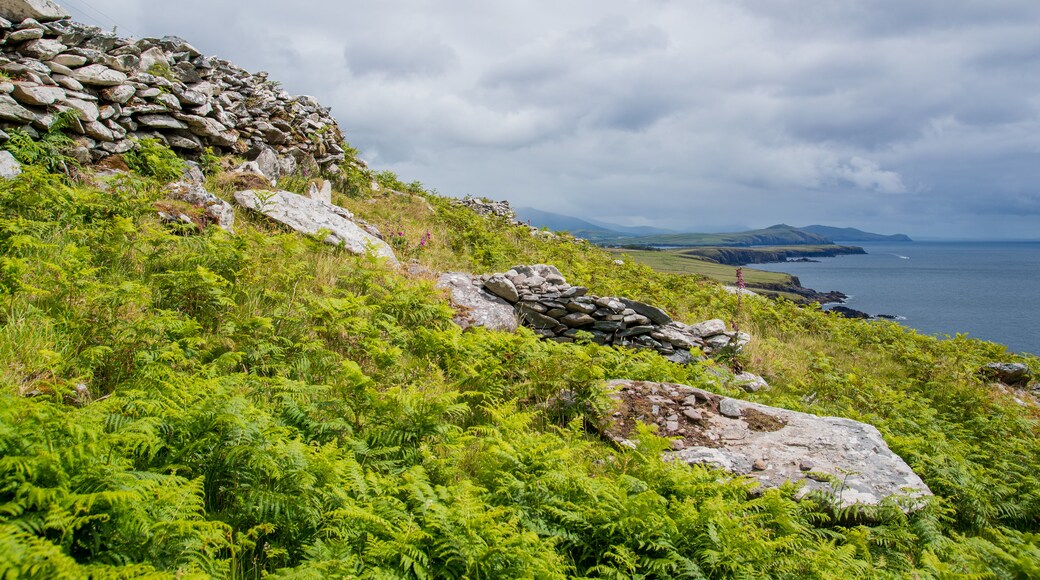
{"x":988,"y":290}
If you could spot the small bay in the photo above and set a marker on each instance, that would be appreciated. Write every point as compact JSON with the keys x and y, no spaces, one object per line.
{"x":989,"y":290}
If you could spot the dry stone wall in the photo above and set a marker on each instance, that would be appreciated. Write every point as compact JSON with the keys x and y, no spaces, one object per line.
{"x":120,"y":89}
{"x":541,"y":298}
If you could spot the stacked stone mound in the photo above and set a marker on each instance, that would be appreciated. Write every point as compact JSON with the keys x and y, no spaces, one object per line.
{"x":544,"y":301}
{"x":120,"y":89}
{"x":500,"y":209}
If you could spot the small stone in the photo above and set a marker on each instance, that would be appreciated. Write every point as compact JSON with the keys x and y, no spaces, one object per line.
{"x":578,"y":319}
{"x":99,"y":75}
{"x":500,"y":286}
{"x":692,"y":414}
{"x":24,"y":35}
{"x":806,"y":465}
{"x":678,"y":444}
{"x":729,"y":408}
{"x":759,"y":465}
{"x":9,"y":166}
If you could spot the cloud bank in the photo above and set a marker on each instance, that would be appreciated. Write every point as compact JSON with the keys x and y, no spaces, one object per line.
{"x":919,"y":117}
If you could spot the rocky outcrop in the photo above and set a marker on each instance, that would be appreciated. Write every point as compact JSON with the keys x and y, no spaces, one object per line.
{"x":122,"y":89}
{"x":1010,"y":374}
{"x":310,"y":216}
{"x":541,"y":298}
{"x":828,"y":454}
{"x":475,"y":306}
{"x":500,"y":209}
{"x":41,"y":10}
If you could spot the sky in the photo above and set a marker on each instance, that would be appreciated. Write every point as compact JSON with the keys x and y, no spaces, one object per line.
{"x":919,"y":117}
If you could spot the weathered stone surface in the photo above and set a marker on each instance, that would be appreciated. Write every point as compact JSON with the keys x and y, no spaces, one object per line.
{"x":655,"y":314}
{"x":750,"y":382}
{"x":786,"y":445}
{"x":1011,"y":374}
{"x":10,"y":110}
{"x":160,"y":122}
{"x":577,"y":319}
{"x":308,"y":216}
{"x":536,"y":319}
{"x":707,"y":328}
{"x":99,"y":75}
{"x":500,"y":286}
{"x":43,"y":49}
{"x":9,"y":166}
{"x":36,"y":95}
{"x":42,"y":10}
{"x":70,"y":60}
{"x":28,"y":34}
{"x":475,"y":306}
{"x":219,"y":211}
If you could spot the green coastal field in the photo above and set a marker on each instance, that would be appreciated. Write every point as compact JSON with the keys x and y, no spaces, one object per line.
{"x":182,"y":402}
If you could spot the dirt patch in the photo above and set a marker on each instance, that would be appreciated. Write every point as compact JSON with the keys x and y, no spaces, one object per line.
{"x":243,"y":181}
{"x":677,"y":414}
{"x":763,"y":422}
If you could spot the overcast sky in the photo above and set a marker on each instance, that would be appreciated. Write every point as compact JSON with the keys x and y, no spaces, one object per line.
{"x":914,"y":116}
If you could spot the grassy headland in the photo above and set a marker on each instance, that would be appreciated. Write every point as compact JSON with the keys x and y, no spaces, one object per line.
{"x":180,"y":403}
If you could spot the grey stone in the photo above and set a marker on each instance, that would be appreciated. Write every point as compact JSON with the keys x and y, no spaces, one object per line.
{"x":582,"y":307}
{"x":476,"y":307}
{"x":500,"y":286}
{"x":1011,"y":374}
{"x":750,"y":382}
{"x":9,"y":166}
{"x":38,"y":95}
{"x":70,"y":60}
{"x":28,"y":34}
{"x":608,"y":326}
{"x":86,"y":110}
{"x":785,"y":442}
{"x":308,"y":216}
{"x":267,"y":161}
{"x":160,"y":122}
{"x":42,"y":49}
{"x":707,"y":328}
{"x":41,"y":10}
{"x":577,"y":319}
{"x":323,"y":193}
{"x":10,"y":110}
{"x":99,"y":75}
{"x":220,"y":211}
{"x":536,"y":319}
{"x":655,"y":314}
{"x":675,"y":337}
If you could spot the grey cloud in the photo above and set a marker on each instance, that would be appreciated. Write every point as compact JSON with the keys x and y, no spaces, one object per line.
{"x":401,"y":55}
{"x":918,"y":116}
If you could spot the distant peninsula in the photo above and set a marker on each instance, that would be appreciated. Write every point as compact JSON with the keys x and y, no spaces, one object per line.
{"x":853,"y":235}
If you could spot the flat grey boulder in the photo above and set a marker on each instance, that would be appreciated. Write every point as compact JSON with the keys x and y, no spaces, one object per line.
{"x":99,"y":75}
{"x":829,"y":454}
{"x":310,"y":216}
{"x":9,"y":166}
{"x":475,"y":306}
{"x":42,"y":10}
{"x":1011,"y":374}
{"x":10,"y":110}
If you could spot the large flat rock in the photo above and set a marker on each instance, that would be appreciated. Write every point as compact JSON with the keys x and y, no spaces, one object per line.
{"x":475,"y":306}
{"x":310,"y":216}
{"x":42,"y":10}
{"x":765,"y":443}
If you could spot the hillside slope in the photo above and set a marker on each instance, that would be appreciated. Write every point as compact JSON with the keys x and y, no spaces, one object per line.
{"x":853,"y":234}
{"x":778,"y":235}
{"x":182,"y":400}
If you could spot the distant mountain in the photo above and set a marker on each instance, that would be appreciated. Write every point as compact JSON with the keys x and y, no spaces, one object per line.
{"x":634,"y":230}
{"x":778,"y":235}
{"x":854,"y":235}
{"x":593,"y":230}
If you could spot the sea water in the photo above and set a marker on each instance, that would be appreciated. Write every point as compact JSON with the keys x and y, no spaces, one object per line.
{"x":988,"y":290}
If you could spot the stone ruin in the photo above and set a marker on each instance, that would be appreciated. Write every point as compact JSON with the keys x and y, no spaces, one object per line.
{"x":539,"y":297}
{"x":121,"y":89}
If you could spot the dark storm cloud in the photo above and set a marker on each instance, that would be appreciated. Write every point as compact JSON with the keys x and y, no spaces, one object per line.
{"x":921,"y":116}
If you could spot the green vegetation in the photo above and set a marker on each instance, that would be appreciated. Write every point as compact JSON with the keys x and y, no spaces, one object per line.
{"x":50,"y":150}
{"x":768,"y":254}
{"x":778,"y":235}
{"x":265,"y":404}
{"x":151,"y":158}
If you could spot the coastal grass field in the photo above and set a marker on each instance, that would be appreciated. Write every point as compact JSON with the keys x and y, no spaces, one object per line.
{"x":682,"y":262}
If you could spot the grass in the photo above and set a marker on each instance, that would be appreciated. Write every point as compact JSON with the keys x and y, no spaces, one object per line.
{"x":679,"y":262}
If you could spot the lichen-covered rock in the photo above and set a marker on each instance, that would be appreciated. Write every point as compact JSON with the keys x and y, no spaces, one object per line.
{"x":474,"y":306}
{"x":771,"y":445}
{"x":41,"y":10}
{"x":309,"y":216}
{"x":9,"y":166}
